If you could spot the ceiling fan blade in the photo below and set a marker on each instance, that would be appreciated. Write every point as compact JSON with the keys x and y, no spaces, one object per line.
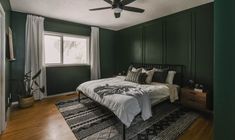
{"x":102,"y":8}
{"x":133,"y":9}
{"x":109,"y":1}
{"x":117,"y":15}
{"x":125,"y":2}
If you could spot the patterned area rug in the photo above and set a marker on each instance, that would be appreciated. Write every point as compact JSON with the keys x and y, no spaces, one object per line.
{"x":90,"y":121}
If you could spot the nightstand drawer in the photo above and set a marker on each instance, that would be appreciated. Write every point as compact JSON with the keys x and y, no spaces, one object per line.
{"x":193,"y":99}
{"x":194,"y":104}
{"x":193,"y":93}
{"x":196,"y":97}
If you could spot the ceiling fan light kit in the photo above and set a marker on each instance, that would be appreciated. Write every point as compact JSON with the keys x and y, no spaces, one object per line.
{"x":117,"y":10}
{"x":118,"y":6}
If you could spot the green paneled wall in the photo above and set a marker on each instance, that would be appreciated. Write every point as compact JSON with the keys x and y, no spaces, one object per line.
{"x":178,"y":40}
{"x":204,"y":44}
{"x":129,"y":40}
{"x":224,"y":114}
{"x":184,"y":38}
{"x":107,"y":40}
{"x":69,"y":77}
{"x":7,"y":8}
{"x":153,"y":42}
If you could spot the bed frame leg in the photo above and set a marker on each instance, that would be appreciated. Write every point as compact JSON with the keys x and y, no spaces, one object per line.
{"x":79,"y":96}
{"x":123,"y":132}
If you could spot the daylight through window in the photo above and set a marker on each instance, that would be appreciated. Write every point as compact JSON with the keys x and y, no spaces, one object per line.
{"x":66,"y":49}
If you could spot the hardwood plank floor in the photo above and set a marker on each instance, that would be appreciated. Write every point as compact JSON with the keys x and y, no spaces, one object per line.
{"x":44,"y":122}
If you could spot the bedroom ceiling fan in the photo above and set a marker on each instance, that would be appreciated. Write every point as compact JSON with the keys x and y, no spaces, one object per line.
{"x":118,"y":6}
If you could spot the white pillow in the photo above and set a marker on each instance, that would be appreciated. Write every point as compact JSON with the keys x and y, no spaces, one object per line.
{"x":150,"y":75}
{"x":135,"y":70}
{"x":170,"y":77}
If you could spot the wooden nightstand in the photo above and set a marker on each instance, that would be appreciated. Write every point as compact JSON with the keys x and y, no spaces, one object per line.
{"x":194,"y":99}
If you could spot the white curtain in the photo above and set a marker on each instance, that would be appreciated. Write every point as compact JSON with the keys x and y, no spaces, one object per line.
{"x":34,"y":57}
{"x":95,"y":54}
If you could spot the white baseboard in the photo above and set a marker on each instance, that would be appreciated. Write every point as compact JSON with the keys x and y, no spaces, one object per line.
{"x":50,"y":96}
{"x":14,"y":103}
{"x":8,"y":113}
{"x":61,"y":94}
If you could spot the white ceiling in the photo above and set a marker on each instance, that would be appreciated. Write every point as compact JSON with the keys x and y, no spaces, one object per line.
{"x":78,"y":11}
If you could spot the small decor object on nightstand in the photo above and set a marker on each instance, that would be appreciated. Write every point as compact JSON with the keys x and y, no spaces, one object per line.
{"x":199,"y":88}
{"x":194,"y":99}
{"x":190,"y":84}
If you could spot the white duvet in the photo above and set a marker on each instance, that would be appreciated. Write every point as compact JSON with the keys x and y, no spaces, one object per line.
{"x":127,"y":107}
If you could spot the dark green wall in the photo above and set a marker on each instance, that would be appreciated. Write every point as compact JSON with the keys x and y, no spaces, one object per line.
{"x":184,"y":38}
{"x":65,"y":79}
{"x":107,"y":58}
{"x":17,"y":66}
{"x":61,"y":79}
{"x":224,"y":117}
{"x":7,"y":8}
{"x":128,"y":47}
{"x":178,"y":37}
{"x":61,"y":26}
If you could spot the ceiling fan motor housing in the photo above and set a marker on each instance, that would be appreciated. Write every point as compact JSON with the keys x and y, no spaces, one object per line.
{"x":117,"y":5}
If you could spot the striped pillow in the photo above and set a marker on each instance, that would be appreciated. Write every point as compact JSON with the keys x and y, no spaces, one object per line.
{"x":133,"y":76}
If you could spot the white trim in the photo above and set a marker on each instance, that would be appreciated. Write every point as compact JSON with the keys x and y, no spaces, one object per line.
{"x":61,"y":94}
{"x":50,"y":96}
{"x":2,"y":70}
{"x":14,"y":103}
{"x":65,"y":65}
{"x":62,"y":35}
{"x":65,"y":34}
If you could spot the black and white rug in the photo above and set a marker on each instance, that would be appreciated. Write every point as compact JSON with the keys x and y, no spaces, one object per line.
{"x":90,"y":121}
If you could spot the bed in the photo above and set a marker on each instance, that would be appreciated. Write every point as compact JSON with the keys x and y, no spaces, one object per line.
{"x":126,"y":107}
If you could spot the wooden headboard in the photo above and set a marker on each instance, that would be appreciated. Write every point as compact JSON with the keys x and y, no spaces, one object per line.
{"x":179,"y":77}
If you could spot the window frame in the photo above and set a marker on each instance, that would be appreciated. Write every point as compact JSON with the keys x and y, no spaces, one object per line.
{"x":62,"y":35}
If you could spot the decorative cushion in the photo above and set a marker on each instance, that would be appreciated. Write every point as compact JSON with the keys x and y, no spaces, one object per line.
{"x":133,"y":76}
{"x":135,"y":69}
{"x":149,"y":75}
{"x":170,"y":77}
{"x":142,"y":78}
{"x":130,"y":68}
{"x":160,"y":75}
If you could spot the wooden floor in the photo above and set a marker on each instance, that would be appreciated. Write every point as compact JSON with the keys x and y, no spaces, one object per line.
{"x":44,"y":122}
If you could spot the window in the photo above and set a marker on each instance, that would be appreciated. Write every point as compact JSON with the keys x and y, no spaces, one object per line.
{"x":62,"y":49}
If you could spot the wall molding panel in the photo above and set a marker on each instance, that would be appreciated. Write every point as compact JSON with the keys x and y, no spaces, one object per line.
{"x":184,"y":38}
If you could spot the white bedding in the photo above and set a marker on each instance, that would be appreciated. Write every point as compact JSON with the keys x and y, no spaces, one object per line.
{"x":127,"y":107}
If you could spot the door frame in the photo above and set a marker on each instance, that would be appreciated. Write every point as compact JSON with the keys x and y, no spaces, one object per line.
{"x":2,"y":70}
